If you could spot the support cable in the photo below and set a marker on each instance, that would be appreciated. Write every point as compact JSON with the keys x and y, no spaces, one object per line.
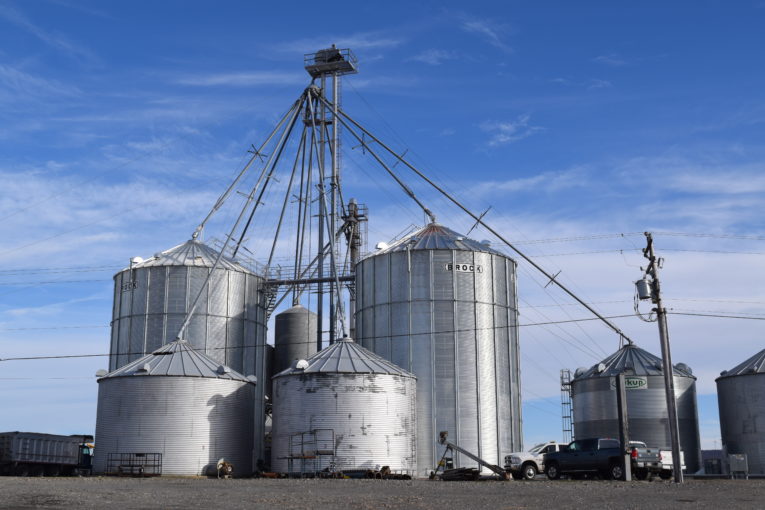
{"x":273,"y":159}
{"x":390,"y":171}
{"x":284,"y":203}
{"x":467,"y":211}
{"x":256,"y":154}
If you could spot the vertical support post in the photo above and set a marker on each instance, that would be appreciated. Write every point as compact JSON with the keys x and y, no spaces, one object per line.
{"x":624,"y":432}
{"x":334,"y":292}
{"x":320,"y":260}
{"x":666,"y":358}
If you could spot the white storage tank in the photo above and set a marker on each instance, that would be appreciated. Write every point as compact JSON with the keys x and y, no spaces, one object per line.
{"x":181,"y":404}
{"x":741,"y":399}
{"x":347,"y":406}
{"x":444,"y":307}
{"x":593,"y":395}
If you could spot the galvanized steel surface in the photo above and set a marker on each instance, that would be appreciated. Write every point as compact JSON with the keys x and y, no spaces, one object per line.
{"x":294,"y":336}
{"x":595,"y":412}
{"x":180,"y":359}
{"x":753,"y":365}
{"x":450,"y":317}
{"x":438,"y":237}
{"x":191,"y":421}
{"x":372,"y":416}
{"x":151,"y":300}
{"x":345,"y":356}
{"x":741,"y":400}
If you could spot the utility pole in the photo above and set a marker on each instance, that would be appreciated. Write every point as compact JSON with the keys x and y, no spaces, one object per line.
{"x":651,"y":289}
{"x":624,"y":428}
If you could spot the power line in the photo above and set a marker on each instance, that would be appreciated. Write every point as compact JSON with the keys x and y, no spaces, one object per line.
{"x":50,"y":282}
{"x":55,"y":327}
{"x":408,"y":335}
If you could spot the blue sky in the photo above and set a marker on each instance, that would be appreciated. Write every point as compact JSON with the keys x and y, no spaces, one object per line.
{"x":120,"y":123}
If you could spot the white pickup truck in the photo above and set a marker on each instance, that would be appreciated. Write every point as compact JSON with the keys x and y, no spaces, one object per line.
{"x":526,"y":465}
{"x":665,"y":457}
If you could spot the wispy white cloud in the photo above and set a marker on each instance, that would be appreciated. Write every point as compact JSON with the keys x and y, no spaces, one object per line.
{"x":489,"y":32}
{"x":356,"y":41}
{"x":545,"y":181}
{"x":52,"y":39}
{"x":596,"y":83}
{"x":611,"y":59}
{"x":434,"y":57}
{"x":242,"y":79}
{"x":504,"y":132}
{"x":23,"y":84}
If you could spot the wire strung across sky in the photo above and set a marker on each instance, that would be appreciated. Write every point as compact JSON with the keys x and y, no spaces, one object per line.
{"x":584,"y":319}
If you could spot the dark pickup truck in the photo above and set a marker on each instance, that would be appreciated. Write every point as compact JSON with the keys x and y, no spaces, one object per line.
{"x":600,"y":456}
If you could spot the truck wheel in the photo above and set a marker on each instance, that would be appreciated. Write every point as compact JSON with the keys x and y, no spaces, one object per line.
{"x":641,"y":474}
{"x":553,"y":471}
{"x":665,"y":474}
{"x":616,"y":471}
{"x":529,"y":471}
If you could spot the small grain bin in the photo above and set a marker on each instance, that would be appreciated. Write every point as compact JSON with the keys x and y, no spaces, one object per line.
{"x":181,"y":404}
{"x":593,"y":394}
{"x":294,"y":336}
{"x":741,"y":399}
{"x":344,"y":406}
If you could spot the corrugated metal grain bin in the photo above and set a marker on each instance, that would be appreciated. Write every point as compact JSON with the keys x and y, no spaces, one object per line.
{"x":593,"y":393}
{"x":741,"y":399}
{"x":444,"y":307}
{"x":182,"y":404}
{"x":153,"y":296}
{"x":294,"y":336}
{"x":347,"y":406}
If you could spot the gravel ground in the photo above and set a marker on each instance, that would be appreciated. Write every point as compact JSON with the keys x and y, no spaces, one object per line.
{"x":183,"y":493}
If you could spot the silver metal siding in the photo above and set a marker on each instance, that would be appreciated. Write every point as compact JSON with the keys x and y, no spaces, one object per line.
{"x":228,"y":325}
{"x":595,"y":414}
{"x":456,"y":332}
{"x":372,"y":416}
{"x":741,"y":400}
{"x":191,"y":421}
{"x":294,"y":336}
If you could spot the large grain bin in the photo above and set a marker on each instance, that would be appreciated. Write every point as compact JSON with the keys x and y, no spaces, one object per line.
{"x":741,"y":398}
{"x":152,"y":297}
{"x":347,"y":406}
{"x":593,"y":393}
{"x":444,"y":307}
{"x":181,"y":404}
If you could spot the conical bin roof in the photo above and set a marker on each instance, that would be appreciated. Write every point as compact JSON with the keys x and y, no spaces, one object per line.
{"x":633,"y":359}
{"x":437,"y":237}
{"x":177,"y":358}
{"x":345,"y":356}
{"x":192,"y":253}
{"x":753,"y":365}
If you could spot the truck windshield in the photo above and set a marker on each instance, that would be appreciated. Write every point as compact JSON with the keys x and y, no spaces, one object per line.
{"x":537,"y":448}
